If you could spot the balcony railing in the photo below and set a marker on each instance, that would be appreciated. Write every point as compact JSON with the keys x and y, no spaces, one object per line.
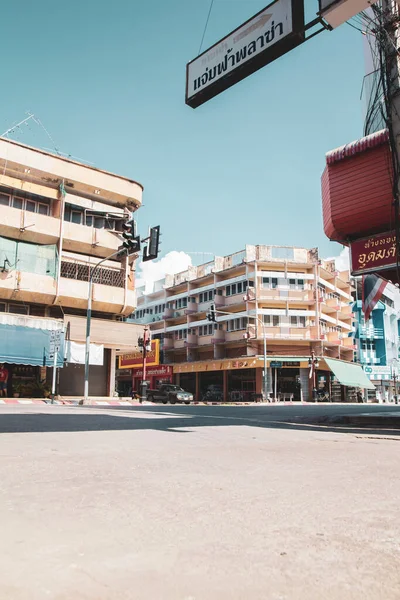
{"x":82,"y":272}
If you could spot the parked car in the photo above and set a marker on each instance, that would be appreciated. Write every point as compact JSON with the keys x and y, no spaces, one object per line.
{"x":170,"y":393}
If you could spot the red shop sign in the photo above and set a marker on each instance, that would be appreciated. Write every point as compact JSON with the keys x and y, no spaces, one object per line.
{"x":374,"y":253}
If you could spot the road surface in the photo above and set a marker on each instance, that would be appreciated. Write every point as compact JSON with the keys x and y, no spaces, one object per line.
{"x":197,"y":503}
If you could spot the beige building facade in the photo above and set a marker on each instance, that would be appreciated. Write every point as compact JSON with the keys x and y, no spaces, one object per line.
{"x":58,"y":219}
{"x":300,"y":303}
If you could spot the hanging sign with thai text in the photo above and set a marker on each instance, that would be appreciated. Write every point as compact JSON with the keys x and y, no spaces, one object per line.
{"x":262,"y":39}
{"x":374,"y":253}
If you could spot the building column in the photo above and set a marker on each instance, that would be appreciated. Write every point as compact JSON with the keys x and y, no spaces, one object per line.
{"x":225,"y":385}
{"x":111,"y":378}
{"x":305,"y":385}
{"x":178,"y":379}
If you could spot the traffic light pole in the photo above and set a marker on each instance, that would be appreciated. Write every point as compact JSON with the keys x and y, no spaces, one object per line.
{"x":88,"y":324}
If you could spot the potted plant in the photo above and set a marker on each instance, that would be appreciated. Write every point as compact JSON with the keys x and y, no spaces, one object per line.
{"x":17,"y":388}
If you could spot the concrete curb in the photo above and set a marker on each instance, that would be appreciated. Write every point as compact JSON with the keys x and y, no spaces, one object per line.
{"x":365,"y":420}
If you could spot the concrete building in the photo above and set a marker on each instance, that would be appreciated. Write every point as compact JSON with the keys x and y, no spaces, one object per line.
{"x":377,"y":342}
{"x":58,"y":218}
{"x":301,"y":304}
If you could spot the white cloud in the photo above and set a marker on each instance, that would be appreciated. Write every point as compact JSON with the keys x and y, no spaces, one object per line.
{"x":171,"y":263}
{"x":342,"y":262}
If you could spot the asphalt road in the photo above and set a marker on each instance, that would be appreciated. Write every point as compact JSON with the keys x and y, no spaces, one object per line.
{"x":197,"y":503}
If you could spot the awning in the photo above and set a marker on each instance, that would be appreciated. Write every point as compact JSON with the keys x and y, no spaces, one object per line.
{"x":26,"y":340}
{"x":349,"y":374}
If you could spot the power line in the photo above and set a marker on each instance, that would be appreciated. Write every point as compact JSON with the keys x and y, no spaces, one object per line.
{"x":206,"y":25}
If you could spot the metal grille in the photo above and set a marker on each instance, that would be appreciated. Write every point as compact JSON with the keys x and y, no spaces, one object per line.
{"x":80,"y":272}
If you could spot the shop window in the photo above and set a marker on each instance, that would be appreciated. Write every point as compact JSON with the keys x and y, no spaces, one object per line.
{"x":2,"y":307}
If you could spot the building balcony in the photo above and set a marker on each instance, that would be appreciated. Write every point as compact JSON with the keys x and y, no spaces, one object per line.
{"x":205,"y":306}
{"x":192,"y":308}
{"x":218,"y":337}
{"x":204,"y":340}
{"x":168,"y":343}
{"x":29,"y":227}
{"x":172,"y":313}
{"x":285,"y":295}
{"x":27,"y":287}
{"x":178,"y":344}
{"x":348,"y":342}
{"x":105,"y":298}
{"x":89,"y":240}
{"x":236,"y":336}
{"x":234,"y":300}
{"x":191,"y":340}
{"x":287,"y":333}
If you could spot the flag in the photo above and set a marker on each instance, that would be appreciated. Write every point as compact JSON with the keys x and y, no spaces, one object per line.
{"x":372,"y":290}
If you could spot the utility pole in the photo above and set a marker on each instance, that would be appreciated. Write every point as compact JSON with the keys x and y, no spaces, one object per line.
{"x":145,"y":344}
{"x":313,"y":363}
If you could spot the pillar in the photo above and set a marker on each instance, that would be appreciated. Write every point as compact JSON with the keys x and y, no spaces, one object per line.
{"x":305,"y":385}
{"x":197,"y":395}
{"x":178,"y":379}
{"x":225,"y":385}
{"x":111,"y":378}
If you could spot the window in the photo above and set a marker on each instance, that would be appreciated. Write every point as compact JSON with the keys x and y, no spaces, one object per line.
{"x":18,"y":309}
{"x":297,"y":321}
{"x":228,"y":290}
{"x":300,"y":284}
{"x":18,"y":203}
{"x":42,"y":209}
{"x":89,"y":220}
{"x":210,"y":294}
{"x":4,"y":200}
{"x":99,"y":222}
{"x":292,"y":284}
{"x":239,"y":288}
{"x":302,"y":321}
{"x":76,"y":217}
{"x":293,"y":321}
{"x":30,"y":206}
{"x":275,"y":321}
{"x":2,"y":307}
{"x":210,"y":329}
{"x":233,"y":289}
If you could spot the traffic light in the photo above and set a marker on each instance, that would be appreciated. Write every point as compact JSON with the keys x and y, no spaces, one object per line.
{"x":212,"y":316}
{"x":150,"y":251}
{"x":140,"y":342}
{"x":132,"y":240}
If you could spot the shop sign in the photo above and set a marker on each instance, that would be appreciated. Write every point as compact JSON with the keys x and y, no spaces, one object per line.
{"x":272,"y":32}
{"x":291,"y":364}
{"x":160,"y":371}
{"x":218,"y":365}
{"x":374,"y":253}
{"x":276,"y":365}
{"x":376,"y":372}
{"x":135,"y":359}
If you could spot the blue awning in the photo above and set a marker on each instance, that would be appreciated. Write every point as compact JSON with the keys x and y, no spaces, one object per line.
{"x":26,"y":341}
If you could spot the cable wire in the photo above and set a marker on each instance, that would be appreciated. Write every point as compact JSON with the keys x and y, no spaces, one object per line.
{"x":206,"y":25}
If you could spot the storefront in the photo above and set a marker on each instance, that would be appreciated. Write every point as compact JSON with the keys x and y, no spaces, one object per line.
{"x":288,"y":379}
{"x":384,"y":378}
{"x":27,"y":351}
{"x":156,"y":376}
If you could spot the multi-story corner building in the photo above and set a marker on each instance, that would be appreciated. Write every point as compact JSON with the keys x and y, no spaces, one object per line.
{"x":377,"y":341}
{"x":301,"y":304}
{"x":58,"y":218}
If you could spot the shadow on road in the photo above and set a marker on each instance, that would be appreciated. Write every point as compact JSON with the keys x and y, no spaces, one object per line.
{"x":174,"y":420}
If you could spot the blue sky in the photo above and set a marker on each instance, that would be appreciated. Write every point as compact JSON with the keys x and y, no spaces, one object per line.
{"x":107,"y":79}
